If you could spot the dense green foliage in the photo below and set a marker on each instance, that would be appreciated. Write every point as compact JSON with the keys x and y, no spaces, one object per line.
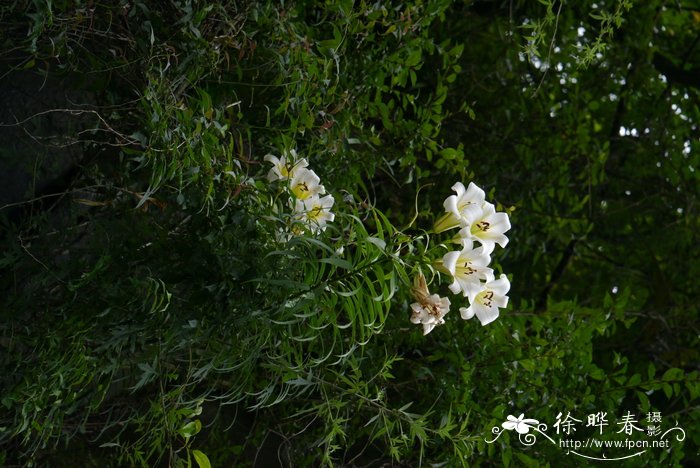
{"x":158,"y":309}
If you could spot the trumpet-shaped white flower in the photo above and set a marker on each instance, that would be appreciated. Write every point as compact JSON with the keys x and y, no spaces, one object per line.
{"x":486,"y":226}
{"x":464,"y":205}
{"x":486,"y":303}
{"x":284,"y":167}
{"x":315,"y":212}
{"x":430,"y":308}
{"x":468,"y":267}
{"x":306,"y":184}
{"x":520,"y":424}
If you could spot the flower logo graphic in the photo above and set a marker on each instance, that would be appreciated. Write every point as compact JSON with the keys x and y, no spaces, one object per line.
{"x":520,"y":424}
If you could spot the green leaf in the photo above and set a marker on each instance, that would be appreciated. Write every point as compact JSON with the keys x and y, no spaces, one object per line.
{"x":201,"y":459}
{"x":526,"y":460}
{"x":597,"y":373}
{"x":338,"y":262}
{"x":450,"y":153}
{"x":672,"y":374}
{"x":644,"y":401}
{"x":380,"y":244}
{"x":413,"y":58}
{"x":190,"y":429}
{"x":668,"y":390}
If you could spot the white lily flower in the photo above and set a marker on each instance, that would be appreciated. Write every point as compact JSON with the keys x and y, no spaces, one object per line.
{"x":486,"y":303}
{"x":430,"y":308}
{"x":315,"y":211}
{"x":285,"y":167}
{"x":520,"y":424}
{"x":468,"y":267}
{"x":306,"y":184}
{"x":486,"y":226}
{"x":457,"y":207}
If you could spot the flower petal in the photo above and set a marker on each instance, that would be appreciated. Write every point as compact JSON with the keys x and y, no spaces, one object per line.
{"x":470,"y":286}
{"x":466,"y":312}
{"x":458,"y":187}
{"x":522,"y":428}
{"x":484,"y":313}
{"x":475,"y":193}
{"x":509,"y":425}
{"x":450,"y":205}
{"x":501,"y":286}
{"x":449,"y":261}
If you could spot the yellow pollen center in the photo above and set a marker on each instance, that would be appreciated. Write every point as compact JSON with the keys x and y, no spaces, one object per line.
{"x":482,"y":226}
{"x":301,"y":190}
{"x":486,"y":298}
{"x":466,"y":269}
{"x":315,"y":213}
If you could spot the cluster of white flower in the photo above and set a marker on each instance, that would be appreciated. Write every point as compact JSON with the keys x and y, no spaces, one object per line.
{"x":305,"y":188}
{"x":469,"y":267}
